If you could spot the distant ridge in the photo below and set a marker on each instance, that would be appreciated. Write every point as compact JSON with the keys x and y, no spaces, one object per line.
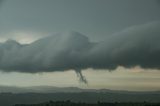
{"x":10,"y":95}
{"x":53,"y":89}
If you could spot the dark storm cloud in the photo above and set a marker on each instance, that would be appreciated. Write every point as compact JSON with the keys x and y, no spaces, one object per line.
{"x":135,"y":46}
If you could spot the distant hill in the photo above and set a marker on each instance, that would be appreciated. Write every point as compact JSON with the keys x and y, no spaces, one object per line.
{"x":42,"y":89}
{"x":52,"y":89}
{"x":39,"y":94}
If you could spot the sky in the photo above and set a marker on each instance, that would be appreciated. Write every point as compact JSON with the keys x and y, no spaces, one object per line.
{"x":96,"y":27}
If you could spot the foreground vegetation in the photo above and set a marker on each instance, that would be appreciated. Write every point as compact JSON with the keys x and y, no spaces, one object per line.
{"x":69,"y":103}
{"x":10,"y":99}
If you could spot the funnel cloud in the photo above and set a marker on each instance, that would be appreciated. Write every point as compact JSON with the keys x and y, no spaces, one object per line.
{"x":135,"y":46}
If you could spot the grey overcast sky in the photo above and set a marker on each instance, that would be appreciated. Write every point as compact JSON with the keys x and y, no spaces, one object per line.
{"x":94,"y":18}
{"x":133,"y":21}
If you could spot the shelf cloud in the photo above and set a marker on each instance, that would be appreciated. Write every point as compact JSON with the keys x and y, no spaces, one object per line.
{"x":135,"y":46}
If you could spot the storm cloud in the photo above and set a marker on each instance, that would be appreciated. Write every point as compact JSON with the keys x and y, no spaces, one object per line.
{"x":135,"y":46}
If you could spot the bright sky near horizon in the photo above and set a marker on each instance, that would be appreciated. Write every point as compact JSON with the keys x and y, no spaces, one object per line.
{"x":121,"y":79}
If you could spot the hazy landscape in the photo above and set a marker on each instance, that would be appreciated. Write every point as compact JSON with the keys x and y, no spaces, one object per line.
{"x":33,"y":95}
